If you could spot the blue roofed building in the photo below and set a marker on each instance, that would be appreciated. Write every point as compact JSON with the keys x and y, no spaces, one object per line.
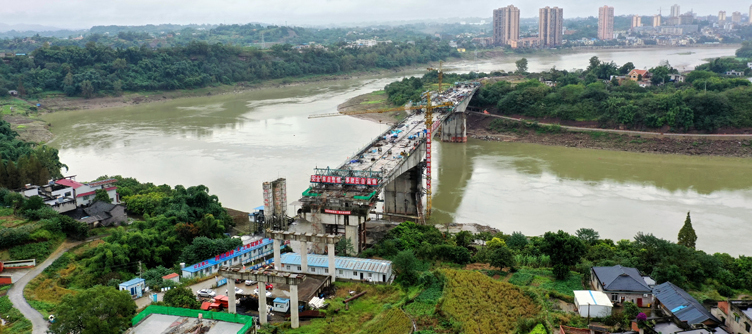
{"x":623,"y":284}
{"x":135,"y":287}
{"x":350,"y":268}
{"x":254,"y":252}
{"x":685,"y":311}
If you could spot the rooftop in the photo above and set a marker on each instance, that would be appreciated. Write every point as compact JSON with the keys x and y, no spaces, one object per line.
{"x":587,"y":297}
{"x":173,"y":324}
{"x":134,"y":281}
{"x":341,"y":262}
{"x":682,"y":305}
{"x":69,"y":183}
{"x":618,"y":278}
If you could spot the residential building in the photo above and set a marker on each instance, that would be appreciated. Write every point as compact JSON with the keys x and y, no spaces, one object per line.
{"x":656,"y":21}
{"x":673,"y":77}
{"x":685,"y":311}
{"x":734,"y":73}
{"x":721,"y":17}
{"x":350,"y":268}
{"x":506,"y":25}
{"x":736,"y":17}
{"x":85,"y":192}
{"x":59,"y":197}
{"x":736,"y":315}
{"x":100,"y":214}
{"x":638,"y":75}
{"x":686,"y":19}
{"x":675,"y":11}
{"x":636,"y":21}
{"x":592,"y":304}
{"x":623,"y":284}
{"x":527,"y":42}
{"x":606,"y":23}
{"x":252,"y":252}
{"x":550,"y":26}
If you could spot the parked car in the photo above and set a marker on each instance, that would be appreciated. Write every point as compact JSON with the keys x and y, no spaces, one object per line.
{"x":250,"y":282}
{"x":237,"y":291}
{"x":268,"y":293}
{"x":206,"y":293}
{"x":269,"y":287}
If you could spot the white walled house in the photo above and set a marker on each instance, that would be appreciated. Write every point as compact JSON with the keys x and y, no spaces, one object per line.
{"x":85,"y":192}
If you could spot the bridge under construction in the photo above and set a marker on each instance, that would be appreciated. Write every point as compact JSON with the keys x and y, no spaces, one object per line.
{"x":340,"y":200}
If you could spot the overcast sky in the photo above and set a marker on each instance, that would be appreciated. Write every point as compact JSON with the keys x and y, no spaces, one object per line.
{"x":76,"y":14}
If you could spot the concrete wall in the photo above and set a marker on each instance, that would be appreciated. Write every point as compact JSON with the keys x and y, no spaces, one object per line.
{"x":400,"y":194}
{"x":453,"y":128}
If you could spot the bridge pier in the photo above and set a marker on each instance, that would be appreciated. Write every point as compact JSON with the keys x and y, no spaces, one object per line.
{"x":454,"y":129}
{"x":400,"y":194}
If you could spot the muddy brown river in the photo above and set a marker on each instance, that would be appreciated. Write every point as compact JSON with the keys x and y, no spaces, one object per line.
{"x":233,"y":143}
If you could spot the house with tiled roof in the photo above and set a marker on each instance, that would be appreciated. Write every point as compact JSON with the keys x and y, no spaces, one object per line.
{"x":684,"y":310}
{"x":638,"y":75}
{"x":623,"y":284}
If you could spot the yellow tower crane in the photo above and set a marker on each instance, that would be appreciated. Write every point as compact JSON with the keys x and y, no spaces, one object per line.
{"x":441,"y":73}
{"x":429,"y":107}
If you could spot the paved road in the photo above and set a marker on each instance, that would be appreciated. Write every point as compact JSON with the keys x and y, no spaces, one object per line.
{"x":628,"y":132}
{"x":15,"y":294}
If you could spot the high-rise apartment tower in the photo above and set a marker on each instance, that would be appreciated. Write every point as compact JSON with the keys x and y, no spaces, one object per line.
{"x":656,"y":21}
{"x":506,"y":25}
{"x":605,"y":23}
{"x":550,"y":25}
{"x":722,"y":16}
{"x":736,"y":17}
{"x":636,"y":21}
{"x":675,"y":11}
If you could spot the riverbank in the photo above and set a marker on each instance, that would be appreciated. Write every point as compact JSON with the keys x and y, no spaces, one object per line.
{"x":30,"y":128}
{"x":494,"y":129}
{"x":503,"y":53}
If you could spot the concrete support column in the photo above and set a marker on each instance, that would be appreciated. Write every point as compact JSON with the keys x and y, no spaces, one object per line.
{"x":262,"y":301}
{"x":304,"y":256}
{"x":294,"y":318}
{"x":330,"y":251}
{"x":231,"y":296}
{"x":277,"y":256}
{"x":400,"y":195}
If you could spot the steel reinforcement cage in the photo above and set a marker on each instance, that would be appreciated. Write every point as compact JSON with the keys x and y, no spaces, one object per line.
{"x":246,"y":320}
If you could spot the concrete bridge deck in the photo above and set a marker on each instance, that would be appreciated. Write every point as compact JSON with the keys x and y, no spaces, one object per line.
{"x":342,"y":199}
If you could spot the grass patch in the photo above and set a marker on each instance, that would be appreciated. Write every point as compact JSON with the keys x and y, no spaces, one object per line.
{"x":373,"y":102}
{"x":479,"y":304}
{"x":17,"y":324}
{"x":39,"y":250}
{"x":393,"y":322}
{"x":362,"y":311}
{"x":544,"y":281}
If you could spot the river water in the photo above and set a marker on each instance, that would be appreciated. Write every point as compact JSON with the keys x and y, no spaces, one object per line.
{"x":233,"y":143}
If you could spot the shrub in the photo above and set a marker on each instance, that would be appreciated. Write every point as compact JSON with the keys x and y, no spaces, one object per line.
{"x":561,"y":272}
{"x":39,"y":250}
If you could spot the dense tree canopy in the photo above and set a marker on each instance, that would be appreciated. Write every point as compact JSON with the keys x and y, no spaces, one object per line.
{"x":98,"y":69}
{"x":97,"y":310}
{"x":22,"y":162}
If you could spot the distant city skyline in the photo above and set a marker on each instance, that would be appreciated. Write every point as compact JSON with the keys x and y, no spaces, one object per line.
{"x":82,"y":14}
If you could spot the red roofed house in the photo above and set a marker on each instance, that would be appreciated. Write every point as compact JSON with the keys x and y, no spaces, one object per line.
{"x":84,"y":192}
{"x":172,"y":277}
{"x":638,"y":75}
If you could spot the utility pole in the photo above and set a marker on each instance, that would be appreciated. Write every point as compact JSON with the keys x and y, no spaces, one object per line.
{"x":139,"y":269}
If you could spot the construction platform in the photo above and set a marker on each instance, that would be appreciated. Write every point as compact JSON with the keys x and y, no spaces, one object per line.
{"x":173,"y":324}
